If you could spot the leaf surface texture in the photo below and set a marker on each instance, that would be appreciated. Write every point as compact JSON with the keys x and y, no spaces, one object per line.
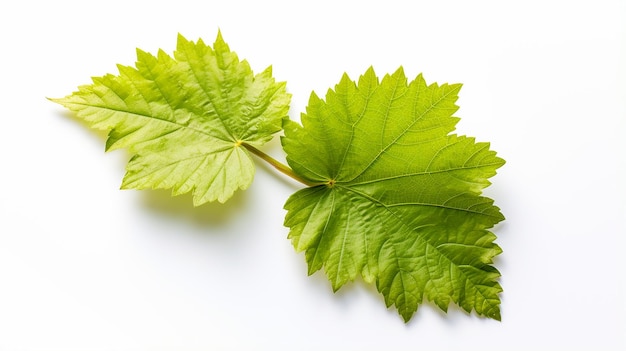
{"x":399,"y":197}
{"x":185,"y":118}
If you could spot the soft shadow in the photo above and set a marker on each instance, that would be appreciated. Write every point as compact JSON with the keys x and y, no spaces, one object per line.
{"x":181,"y":208}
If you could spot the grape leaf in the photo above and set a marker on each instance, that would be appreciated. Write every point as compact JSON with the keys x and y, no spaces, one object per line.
{"x":397,"y":199}
{"x":185,"y":118}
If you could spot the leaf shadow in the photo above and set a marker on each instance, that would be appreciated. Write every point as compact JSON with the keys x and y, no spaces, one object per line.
{"x":213,"y":215}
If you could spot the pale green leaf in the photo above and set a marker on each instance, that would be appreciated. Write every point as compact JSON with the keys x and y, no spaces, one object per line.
{"x":398,"y":200}
{"x":185,"y":118}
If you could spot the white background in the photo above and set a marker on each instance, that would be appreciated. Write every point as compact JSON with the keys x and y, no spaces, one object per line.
{"x":85,"y":266}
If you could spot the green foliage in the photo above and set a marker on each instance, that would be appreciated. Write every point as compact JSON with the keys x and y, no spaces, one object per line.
{"x":185,"y":118}
{"x":400,"y":203}
{"x":391,"y":195}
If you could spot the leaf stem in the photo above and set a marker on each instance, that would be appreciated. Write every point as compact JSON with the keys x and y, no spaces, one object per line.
{"x":278,"y":165}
